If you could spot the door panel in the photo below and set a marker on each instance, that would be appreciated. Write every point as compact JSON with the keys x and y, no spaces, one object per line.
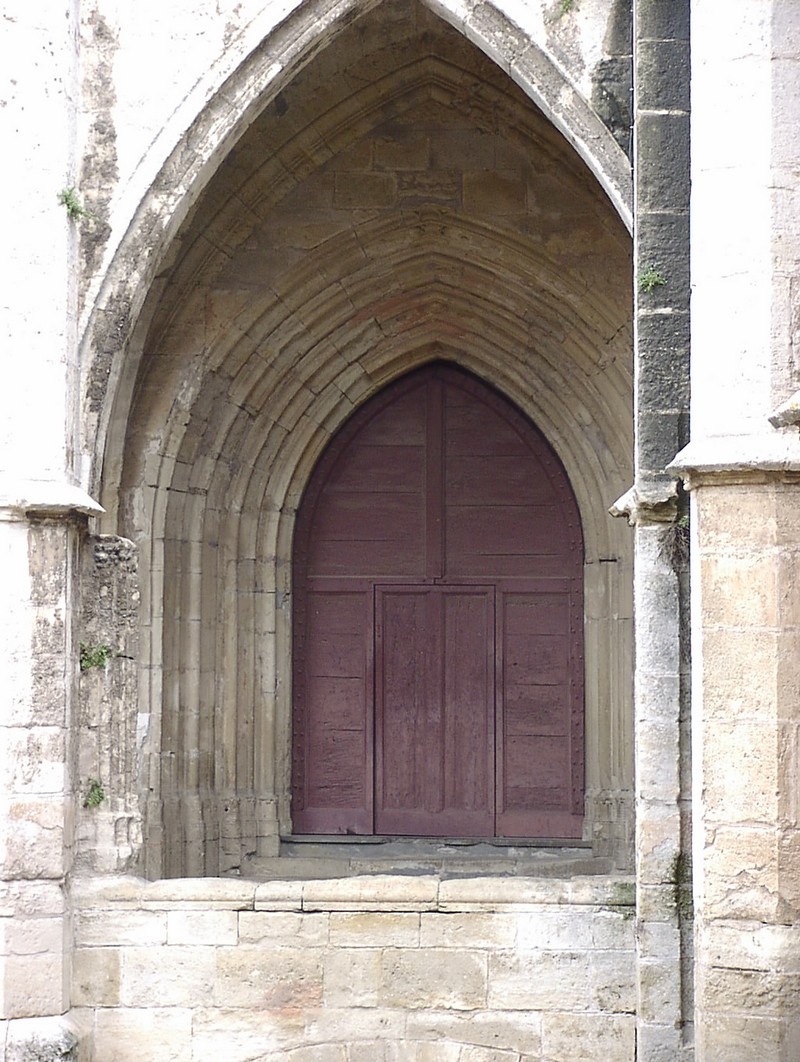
{"x":434,"y":710}
{"x":537,"y":703}
{"x":333,"y":730}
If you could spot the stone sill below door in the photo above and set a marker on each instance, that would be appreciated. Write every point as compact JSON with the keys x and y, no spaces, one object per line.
{"x":367,"y":892}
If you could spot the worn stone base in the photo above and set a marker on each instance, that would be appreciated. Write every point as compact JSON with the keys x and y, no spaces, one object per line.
{"x":378,"y":968}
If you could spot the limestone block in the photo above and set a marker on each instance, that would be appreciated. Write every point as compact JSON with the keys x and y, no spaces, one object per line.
{"x":493,"y":192}
{"x":498,"y":894}
{"x":375,"y":929}
{"x":31,"y":936}
{"x":510,"y":1030}
{"x":659,"y":984}
{"x":34,"y":760}
{"x":789,"y":873}
{"x":243,"y":1034}
{"x":739,"y":590}
{"x":202,"y":927}
{"x":613,"y":979}
{"x":410,"y":152}
{"x":542,"y":981}
{"x":374,"y":893}
{"x":588,"y":1037}
{"x":657,"y":697}
{"x":119,"y":927}
{"x":352,"y":977}
{"x":34,"y":985}
{"x":34,"y":838}
{"x":472,"y":1053}
{"x":739,"y":514}
{"x":750,"y":945}
{"x":209,"y":893}
{"x":356,"y":156}
{"x":739,"y":671}
{"x":174,"y":976}
{"x":95,"y":977}
{"x":283,"y":929}
{"x":268,"y":977}
{"x":468,"y":931}
{"x":316,"y":1053}
{"x":332,"y":1024}
{"x":367,"y":1051}
{"x":657,"y":760}
{"x":741,"y":772}
{"x":364,"y":190}
{"x":548,"y":929}
{"x":424,"y":1052}
{"x":619,"y":891}
{"x":759,"y":993}
{"x":433,"y":978}
{"x":440,"y":187}
{"x":656,"y":903}
{"x":30,"y":899}
{"x":657,"y":841}
{"x":656,"y":938}
{"x":123,"y":891}
{"x":741,"y":875}
{"x":132,"y":1035}
{"x":463,"y":149}
{"x":739,"y":1037}
{"x":279,"y":896}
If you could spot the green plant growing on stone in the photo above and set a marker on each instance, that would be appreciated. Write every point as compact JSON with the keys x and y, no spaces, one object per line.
{"x":651,"y":279}
{"x":675,"y":546}
{"x":563,"y":7}
{"x":68,"y":197}
{"x":95,"y":655}
{"x":95,"y":794}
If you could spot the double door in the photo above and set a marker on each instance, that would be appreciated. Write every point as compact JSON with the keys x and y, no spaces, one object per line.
{"x":437,"y":624}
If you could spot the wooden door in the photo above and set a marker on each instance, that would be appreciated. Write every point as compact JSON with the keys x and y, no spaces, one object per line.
{"x":438,"y":670}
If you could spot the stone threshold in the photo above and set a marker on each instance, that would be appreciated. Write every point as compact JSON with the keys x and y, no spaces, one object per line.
{"x":337,"y":857}
{"x":369,"y":892}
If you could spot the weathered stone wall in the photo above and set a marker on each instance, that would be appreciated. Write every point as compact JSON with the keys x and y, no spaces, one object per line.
{"x":376,"y":968}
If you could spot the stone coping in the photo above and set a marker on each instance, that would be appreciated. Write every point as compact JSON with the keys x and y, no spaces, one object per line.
{"x":387,"y":892}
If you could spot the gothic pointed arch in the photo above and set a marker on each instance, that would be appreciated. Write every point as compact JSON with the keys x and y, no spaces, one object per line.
{"x":226,"y":102}
{"x":404,"y":202}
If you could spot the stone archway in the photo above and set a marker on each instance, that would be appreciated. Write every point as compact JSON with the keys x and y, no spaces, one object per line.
{"x":363,"y":227}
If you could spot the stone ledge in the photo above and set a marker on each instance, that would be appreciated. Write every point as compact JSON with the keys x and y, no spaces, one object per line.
{"x":388,"y":892}
{"x":19,"y":497}
{"x":737,"y":457}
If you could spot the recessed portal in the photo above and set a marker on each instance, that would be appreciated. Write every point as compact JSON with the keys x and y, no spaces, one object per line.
{"x":438,"y":654}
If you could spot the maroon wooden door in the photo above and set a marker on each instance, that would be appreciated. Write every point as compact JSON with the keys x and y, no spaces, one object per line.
{"x":438,"y":666}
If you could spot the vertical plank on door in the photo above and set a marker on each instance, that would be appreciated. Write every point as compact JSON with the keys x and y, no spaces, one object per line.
{"x":434,"y":706}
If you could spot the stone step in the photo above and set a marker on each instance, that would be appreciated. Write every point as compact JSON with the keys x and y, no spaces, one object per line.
{"x":334,"y":859}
